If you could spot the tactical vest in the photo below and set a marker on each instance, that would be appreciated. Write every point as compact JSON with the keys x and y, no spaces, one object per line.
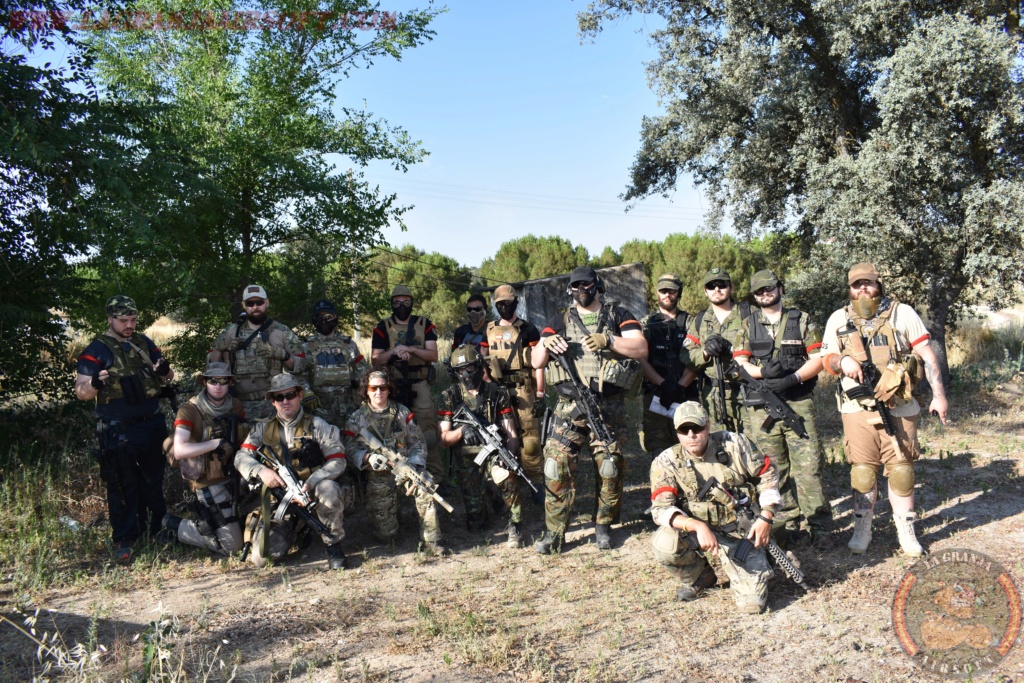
{"x":131,"y":370}
{"x":411,"y":333}
{"x":885,"y":346}
{"x":252,"y":372}
{"x":208,"y":468}
{"x":386,"y":425}
{"x":790,"y":351}
{"x":665,"y":342}
{"x":484,"y":405}
{"x":605,"y":372}
{"x":272,"y":440}
{"x":693,"y":474}
{"x":475,"y":338}
{"x":331,"y":359}
{"x":503,"y":341}
{"x":705,"y":331}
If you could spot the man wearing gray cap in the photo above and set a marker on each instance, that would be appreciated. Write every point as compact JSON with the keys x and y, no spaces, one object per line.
{"x":125,"y":373}
{"x":667,"y":372}
{"x":314,"y":450}
{"x":710,"y":340}
{"x":678,"y":475}
{"x":257,"y":350}
{"x":781,"y":346}
{"x":876,"y":347}
{"x":207,"y":432}
{"x":603,"y":343}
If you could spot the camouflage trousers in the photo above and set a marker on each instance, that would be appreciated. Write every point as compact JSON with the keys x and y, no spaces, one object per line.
{"x":473,"y":480}
{"x":382,"y":506}
{"x":733,"y":419}
{"x":748,"y":579}
{"x":257,"y":410}
{"x":561,"y":453}
{"x":800,"y":463}
{"x":658,"y":431}
{"x":331,"y":499}
{"x":531,"y":457}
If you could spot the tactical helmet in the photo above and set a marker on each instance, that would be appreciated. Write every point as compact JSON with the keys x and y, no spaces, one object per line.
{"x":120,"y":304}
{"x":464,"y":356}
{"x":401,"y":290}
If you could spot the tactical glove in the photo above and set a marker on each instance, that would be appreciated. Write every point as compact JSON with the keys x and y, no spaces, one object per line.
{"x":96,"y":383}
{"x":595,"y":342}
{"x":783,"y":383}
{"x":470,"y":437}
{"x":717,"y":346}
{"x":228,"y":344}
{"x":554,"y":340}
{"x":539,"y":406}
{"x":773,"y":370}
{"x":162,"y":368}
{"x":378,"y":462}
{"x":670,"y":392}
{"x":269,"y":351}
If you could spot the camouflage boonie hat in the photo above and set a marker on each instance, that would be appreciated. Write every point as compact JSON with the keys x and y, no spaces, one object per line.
{"x":216,"y":369}
{"x":763,"y":278}
{"x":504,"y":293}
{"x":669,"y":281}
{"x":121,"y":304}
{"x":862,"y":271}
{"x":716,"y":274}
{"x":690,"y":413}
{"x":283,"y":382}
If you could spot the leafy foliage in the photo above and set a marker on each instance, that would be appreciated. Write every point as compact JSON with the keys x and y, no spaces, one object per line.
{"x":530,"y":257}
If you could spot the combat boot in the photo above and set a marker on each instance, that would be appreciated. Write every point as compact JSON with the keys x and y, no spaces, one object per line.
{"x":707,"y":579}
{"x":858,"y":545}
{"x":336,"y":557}
{"x":905,"y":532}
{"x":436,"y":548}
{"x":168,"y":529}
{"x":515,"y":535}
{"x":549,"y":542}
{"x":602,"y":533}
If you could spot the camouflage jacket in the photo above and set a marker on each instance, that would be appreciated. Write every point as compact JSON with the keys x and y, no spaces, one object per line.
{"x":394,"y":426}
{"x":253,"y":372}
{"x":326,"y":436}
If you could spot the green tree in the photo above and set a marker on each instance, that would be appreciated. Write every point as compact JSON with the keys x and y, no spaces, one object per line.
{"x":249,"y":118}
{"x":769,"y":107}
{"x":530,"y":258}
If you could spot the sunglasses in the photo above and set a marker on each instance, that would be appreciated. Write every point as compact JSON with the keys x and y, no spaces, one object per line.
{"x":668,"y":291}
{"x":218,"y":381}
{"x":473,"y":309}
{"x":377,"y":387}
{"x":286,"y":396}
{"x":765,"y":290}
{"x":253,"y":303}
{"x":717,"y":284}
{"x":687,"y":429}
{"x":326,"y":317}
{"x":861,"y":284}
{"x":577,"y":286}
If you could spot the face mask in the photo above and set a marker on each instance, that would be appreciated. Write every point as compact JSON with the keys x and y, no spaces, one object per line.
{"x":866,"y":308}
{"x":507,"y":309}
{"x":401,"y":309}
{"x":325,"y":325}
{"x":475,"y":317}
{"x":584,"y":296}
{"x":471,"y":377}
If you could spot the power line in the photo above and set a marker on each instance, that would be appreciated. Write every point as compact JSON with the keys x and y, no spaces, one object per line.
{"x":433,"y":265}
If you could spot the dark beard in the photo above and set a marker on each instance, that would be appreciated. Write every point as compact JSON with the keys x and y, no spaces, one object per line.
{"x":257,"y":317}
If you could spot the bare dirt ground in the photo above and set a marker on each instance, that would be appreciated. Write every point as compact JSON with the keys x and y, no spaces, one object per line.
{"x":491,"y":613}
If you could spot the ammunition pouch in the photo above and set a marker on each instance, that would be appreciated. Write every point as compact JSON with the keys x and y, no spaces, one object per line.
{"x":620,"y":375}
{"x":309,"y":456}
{"x":132,"y":390}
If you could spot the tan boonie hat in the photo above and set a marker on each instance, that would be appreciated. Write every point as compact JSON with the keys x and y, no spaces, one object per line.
{"x":217,"y":369}
{"x":669,"y":281}
{"x":862,"y":271}
{"x":690,"y":413}
{"x":119,"y":304}
{"x":763,"y":278}
{"x":254,"y":292}
{"x":716,"y":274}
{"x":283,"y":382}
{"x":504,"y":293}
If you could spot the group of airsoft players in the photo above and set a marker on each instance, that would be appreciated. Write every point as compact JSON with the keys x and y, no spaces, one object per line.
{"x":294,"y":432}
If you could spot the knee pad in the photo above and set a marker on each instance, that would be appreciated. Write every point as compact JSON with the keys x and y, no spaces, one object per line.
{"x":551,"y":469}
{"x":665,"y":542}
{"x":863,"y":478}
{"x":608,"y":469}
{"x":901,"y":479}
{"x":531,"y":448}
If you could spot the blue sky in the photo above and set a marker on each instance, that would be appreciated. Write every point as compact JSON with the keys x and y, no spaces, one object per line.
{"x":529,"y":131}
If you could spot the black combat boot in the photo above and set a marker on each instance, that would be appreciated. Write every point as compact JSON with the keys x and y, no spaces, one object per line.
{"x":549,"y":542}
{"x":168,"y":529}
{"x":336,"y":557}
{"x":603,"y":536}
{"x":707,"y":579}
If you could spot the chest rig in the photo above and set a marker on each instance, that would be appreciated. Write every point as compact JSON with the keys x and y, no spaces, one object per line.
{"x":131,"y":374}
{"x":665,"y":342}
{"x":604,"y":372}
{"x":303,"y":456}
{"x":885,"y":347}
{"x":412,"y":333}
{"x":331,"y":359}
{"x":715,"y":510}
{"x":386,"y":425}
{"x":788,"y":349}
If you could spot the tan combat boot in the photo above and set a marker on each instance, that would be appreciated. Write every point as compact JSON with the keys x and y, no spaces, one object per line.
{"x":858,"y":545}
{"x":905,"y":531}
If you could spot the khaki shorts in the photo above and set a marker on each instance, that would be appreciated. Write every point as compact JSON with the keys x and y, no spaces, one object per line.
{"x":869,"y":444}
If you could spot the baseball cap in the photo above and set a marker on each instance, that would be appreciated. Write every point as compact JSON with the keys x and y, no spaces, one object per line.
{"x":583,"y":274}
{"x":254,"y":292}
{"x":669,"y":281}
{"x":504,"y":293}
{"x":690,"y":413}
{"x":717,"y":274}
{"x":120,"y":304}
{"x":763,"y":278}
{"x":863,"y":271}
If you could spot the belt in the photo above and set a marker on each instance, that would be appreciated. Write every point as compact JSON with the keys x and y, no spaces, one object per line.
{"x":126,"y":420}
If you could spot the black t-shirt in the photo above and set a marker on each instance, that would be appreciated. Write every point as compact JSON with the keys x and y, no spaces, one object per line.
{"x":464,"y":334}
{"x":97,"y":356}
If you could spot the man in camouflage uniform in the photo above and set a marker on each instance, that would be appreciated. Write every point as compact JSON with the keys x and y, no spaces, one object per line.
{"x":408,"y":344}
{"x":125,"y":373}
{"x":334,"y":366}
{"x":317,"y":455}
{"x":677,"y":476}
{"x":510,"y":342}
{"x":666,"y":370}
{"x":491,"y":405}
{"x":711,"y":336}
{"x":602,"y":342}
{"x":257,"y":350}
{"x":392,"y":424}
{"x":782,"y":345}
{"x":207,"y":433}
